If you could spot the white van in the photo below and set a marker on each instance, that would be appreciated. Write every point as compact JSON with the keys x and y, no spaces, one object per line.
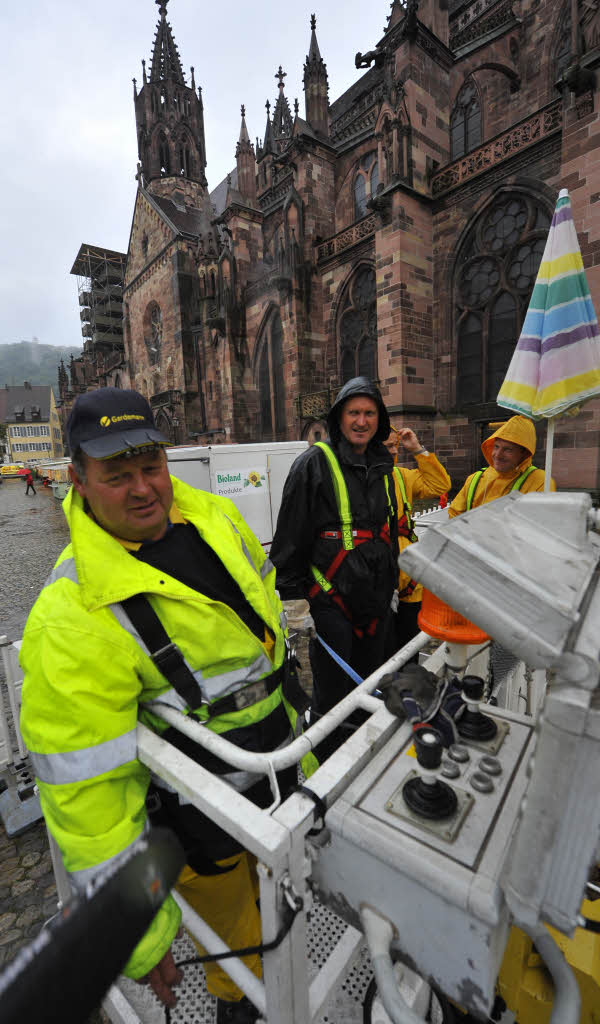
{"x":252,"y":475}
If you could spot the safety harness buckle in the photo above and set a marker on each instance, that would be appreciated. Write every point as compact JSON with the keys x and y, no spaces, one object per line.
{"x":167,"y":659}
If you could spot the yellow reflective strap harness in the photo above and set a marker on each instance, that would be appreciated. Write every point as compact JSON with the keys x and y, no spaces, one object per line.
{"x":478,"y":475}
{"x":349,"y":537}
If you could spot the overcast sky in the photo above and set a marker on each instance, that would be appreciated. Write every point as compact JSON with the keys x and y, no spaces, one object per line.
{"x":67,"y":122}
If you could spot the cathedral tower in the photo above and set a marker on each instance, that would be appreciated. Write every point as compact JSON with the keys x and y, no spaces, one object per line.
{"x":170,"y":119}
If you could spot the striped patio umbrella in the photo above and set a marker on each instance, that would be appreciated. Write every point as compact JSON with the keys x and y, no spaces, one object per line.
{"x":556,"y":363}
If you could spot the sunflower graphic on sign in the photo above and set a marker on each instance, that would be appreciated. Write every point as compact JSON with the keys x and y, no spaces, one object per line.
{"x":254,"y":479}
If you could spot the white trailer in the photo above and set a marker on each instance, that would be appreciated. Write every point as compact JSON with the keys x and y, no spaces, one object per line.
{"x":252,"y":475}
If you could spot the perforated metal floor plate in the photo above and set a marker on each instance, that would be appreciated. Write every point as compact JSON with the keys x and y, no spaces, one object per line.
{"x":196,"y":1006}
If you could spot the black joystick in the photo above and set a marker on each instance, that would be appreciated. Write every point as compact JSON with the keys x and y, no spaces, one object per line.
{"x":425,"y":794}
{"x":472,"y":724}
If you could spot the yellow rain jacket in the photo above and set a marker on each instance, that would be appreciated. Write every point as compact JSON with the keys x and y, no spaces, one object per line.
{"x":428,"y":481}
{"x":492,"y":485}
{"x":86,"y":676}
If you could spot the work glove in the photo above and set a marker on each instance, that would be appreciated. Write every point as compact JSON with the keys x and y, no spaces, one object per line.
{"x":420,"y":697}
{"x":395,"y":601}
{"x":411,"y":685}
{"x":299,"y":619}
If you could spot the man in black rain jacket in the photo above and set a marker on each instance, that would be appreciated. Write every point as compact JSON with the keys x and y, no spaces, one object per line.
{"x":348,"y":576}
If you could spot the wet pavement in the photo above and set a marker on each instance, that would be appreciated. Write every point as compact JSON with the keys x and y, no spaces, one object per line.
{"x":33,"y":531}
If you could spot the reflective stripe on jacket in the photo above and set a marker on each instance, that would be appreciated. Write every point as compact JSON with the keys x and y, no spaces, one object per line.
{"x":85,"y":677}
{"x":478,"y":475}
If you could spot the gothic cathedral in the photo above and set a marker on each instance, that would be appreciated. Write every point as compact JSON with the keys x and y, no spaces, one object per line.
{"x":395,"y":231}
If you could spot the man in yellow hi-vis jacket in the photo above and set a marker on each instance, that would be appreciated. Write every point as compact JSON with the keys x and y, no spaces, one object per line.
{"x":92,"y":667}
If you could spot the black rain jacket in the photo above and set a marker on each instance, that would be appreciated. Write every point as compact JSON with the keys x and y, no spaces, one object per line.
{"x":368,"y":574}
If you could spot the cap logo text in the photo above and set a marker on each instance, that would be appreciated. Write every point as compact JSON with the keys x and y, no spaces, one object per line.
{"x":107,"y":420}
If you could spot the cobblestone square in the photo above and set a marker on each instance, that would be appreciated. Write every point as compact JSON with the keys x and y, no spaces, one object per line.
{"x":33,"y":531}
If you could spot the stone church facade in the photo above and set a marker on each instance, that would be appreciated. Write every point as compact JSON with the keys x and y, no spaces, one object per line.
{"x":395,"y":231}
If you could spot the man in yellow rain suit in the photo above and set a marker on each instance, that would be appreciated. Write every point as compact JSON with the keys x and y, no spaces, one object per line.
{"x":428,"y":480}
{"x":509,"y":454}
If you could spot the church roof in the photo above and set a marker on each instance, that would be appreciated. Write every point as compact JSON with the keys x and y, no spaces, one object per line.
{"x":187,"y":220}
{"x":218,"y":196}
{"x":24,"y":399}
{"x":366,"y":82}
{"x":166,"y":63}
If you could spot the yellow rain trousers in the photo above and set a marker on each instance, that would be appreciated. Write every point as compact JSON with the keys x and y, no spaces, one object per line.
{"x":228,"y":904}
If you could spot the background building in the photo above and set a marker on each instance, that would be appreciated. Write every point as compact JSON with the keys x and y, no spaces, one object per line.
{"x":33,"y":429}
{"x":396,"y":231}
{"x":100,"y":273}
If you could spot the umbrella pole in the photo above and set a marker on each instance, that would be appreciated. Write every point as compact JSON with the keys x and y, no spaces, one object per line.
{"x":549,"y":447}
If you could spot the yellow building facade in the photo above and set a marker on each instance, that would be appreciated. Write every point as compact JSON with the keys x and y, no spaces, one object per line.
{"x":33,"y":431}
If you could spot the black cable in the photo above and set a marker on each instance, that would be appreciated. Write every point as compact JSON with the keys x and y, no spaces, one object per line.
{"x":264,"y":947}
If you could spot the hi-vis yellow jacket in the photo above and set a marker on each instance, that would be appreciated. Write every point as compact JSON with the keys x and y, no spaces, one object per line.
{"x":86,"y":676}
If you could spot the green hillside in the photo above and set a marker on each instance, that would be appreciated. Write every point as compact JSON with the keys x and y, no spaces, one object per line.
{"x":31,"y":361}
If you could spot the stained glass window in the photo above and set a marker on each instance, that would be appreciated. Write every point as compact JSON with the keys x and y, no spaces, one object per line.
{"x":365,"y":184}
{"x":270,"y":382}
{"x":496,"y":270}
{"x":465,"y":122}
{"x":358,"y":327}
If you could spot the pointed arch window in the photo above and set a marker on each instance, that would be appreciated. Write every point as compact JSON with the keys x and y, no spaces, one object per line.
{"x":465,"y":122}
{"x":562,"y":53}
{"x":496,"y":271}
{"x":163,"y":155}
{"x":357,"y":330}
{"x":365,"y":185}
{"x":271,"y":387}
{"x":184,"y":158}
{"x":153,"y":332}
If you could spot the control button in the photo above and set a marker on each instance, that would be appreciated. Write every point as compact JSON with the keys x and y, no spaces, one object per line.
{"x":458,"y":752}
{"x":481,"y":782}
{"x":450,"y":769}
{"x":490,"y":765}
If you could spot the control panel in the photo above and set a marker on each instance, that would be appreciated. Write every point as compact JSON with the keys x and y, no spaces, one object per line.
{"x":422,"y":835}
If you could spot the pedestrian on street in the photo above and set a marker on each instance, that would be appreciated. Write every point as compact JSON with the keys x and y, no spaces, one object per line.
{"x":509,"y":454}
{"x":91,"y":657}
{"x":29,"y":482}
{"x":336,"y":547}
{"x":428,"y":480}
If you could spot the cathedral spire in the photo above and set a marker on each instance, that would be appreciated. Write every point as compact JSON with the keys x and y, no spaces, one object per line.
{"x":316,"y":86}
{"x":165,"y":55}
{"x":169,"y":118}
{"x":314,"y":54}
{"x":244,"y":137}
{"x":246,"y":162}
{"x":267,"y":145}
{"x":398,"y":12}
{"x":282,"y":126}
